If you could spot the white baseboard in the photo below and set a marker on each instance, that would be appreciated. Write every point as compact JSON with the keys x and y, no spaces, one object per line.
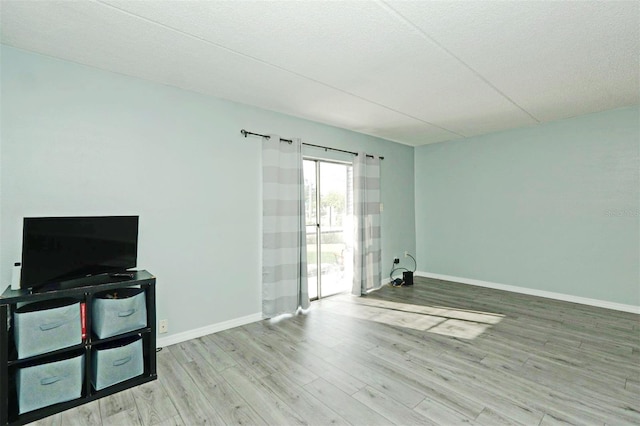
{"x":533,"y":292}
{"x":208,"y":329}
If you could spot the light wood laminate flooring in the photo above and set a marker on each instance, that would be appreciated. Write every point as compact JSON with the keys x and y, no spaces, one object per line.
{"x":437,"y":353}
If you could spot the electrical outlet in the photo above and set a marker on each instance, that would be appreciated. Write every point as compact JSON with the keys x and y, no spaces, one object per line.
{"x":406,"y":254}
{"x":164,"y":326}
{"x":396,"y":260}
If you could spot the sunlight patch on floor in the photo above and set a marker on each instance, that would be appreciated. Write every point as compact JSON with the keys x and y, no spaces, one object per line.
{"x":460,"y":329}
{"x":406,"y":319}
{"x":447,"y":321}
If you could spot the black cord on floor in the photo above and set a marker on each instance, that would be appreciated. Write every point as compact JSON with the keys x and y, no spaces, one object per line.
{"x":397,"y":281}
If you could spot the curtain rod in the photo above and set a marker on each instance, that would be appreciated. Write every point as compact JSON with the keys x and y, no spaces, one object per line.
{"x":246,"y":133}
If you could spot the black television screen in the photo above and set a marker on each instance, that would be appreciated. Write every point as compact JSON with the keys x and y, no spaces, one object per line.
{"x":56,"y":249}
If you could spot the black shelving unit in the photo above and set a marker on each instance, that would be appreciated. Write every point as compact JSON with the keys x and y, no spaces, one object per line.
{"x":83,"y":291}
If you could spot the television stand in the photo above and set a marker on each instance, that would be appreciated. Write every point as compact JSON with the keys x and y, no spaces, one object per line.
{"x":83,"y":291}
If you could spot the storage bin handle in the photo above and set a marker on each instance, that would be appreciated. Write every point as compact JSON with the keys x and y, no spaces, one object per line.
{"x":51,"y":326}
{"x":50,"y":380}
{"x":121,"y":361}
{"x":126,"y":313}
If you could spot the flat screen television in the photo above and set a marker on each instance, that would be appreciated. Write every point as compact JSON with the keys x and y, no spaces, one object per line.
{"x":59,"y":249}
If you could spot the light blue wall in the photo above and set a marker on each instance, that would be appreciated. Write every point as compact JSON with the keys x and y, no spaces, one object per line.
{"x":80,"y":141}
{"x":553,"y":207}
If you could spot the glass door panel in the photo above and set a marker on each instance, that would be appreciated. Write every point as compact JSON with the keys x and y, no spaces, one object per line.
{"x":336,"y":235}
{"x":329,"y":219}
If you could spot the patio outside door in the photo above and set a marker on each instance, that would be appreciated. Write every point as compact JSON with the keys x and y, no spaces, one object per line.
{"x":329,"y":219}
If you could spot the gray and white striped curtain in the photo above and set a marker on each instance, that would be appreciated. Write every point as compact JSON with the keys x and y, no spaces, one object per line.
{"x":367,"y":274}
{"x":284,"y":248}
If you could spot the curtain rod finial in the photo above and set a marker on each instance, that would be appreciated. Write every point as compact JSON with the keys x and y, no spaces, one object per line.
{"x":244,"y":132}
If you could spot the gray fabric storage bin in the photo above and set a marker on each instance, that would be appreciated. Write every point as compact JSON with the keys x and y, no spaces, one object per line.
{"x":125,"y":313}
{"x":114,"y":364}
{"x":47,"y":384}
{"x":43,"y":327}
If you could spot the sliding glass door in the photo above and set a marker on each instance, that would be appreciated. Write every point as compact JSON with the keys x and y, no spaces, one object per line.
{"x":329,"y":220}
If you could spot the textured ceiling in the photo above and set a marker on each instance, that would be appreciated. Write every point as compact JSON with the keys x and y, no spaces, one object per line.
{"x":411,"y":72}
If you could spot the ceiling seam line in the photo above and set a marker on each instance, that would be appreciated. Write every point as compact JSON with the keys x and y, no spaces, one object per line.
{"x":392,"y":11}
{"x":277,"y":67}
